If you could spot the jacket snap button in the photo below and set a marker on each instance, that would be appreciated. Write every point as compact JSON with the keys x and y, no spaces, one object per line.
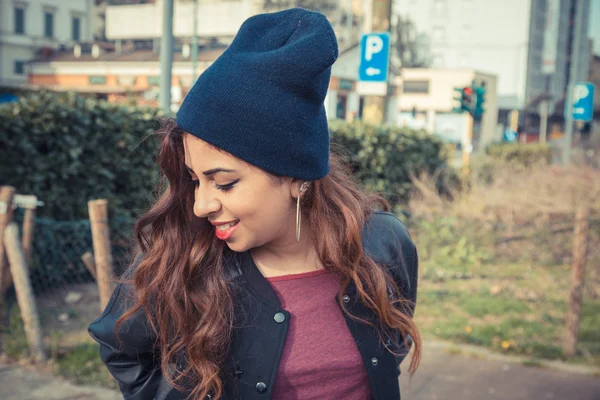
{"x":346,"y":299}
{"x":374,"y":361}
{"x":279,"y":317}
{"x":261,"y":387}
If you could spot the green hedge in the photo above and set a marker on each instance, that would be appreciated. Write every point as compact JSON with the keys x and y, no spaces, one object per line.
{"x":520,"y":154}
{"x":385,"y":157}
{"x":67,"y":150}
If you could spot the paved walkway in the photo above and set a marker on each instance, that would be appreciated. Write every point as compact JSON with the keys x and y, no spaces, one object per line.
{"x":18,"y":383}
{"x":441,"y":376}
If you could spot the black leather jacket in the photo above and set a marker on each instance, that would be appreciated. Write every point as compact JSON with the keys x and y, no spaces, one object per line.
{"x":134,"y":363}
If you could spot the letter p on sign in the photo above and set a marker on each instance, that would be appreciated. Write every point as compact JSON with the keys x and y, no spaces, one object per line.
{"x":374,"y":46}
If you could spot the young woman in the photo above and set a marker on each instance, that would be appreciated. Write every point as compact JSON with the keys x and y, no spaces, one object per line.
{"x":264,"y":271}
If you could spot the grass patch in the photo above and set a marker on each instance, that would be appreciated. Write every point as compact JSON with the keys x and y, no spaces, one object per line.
{"x":532,"y":363}
{"x":485,"y":304}
{"x":454,"y":351}
{"x":14,"y":342}
{"x":589,"y":329}
{"x":82,"y":364}
{"x":509,"y":309}
{"x":79,"y":362}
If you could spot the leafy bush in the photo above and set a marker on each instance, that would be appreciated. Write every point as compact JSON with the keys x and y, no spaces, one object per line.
{"x":521,"y":154}
{"x":449,"y":248}
{"x":67,"y":150}
{"x":385,"y":158}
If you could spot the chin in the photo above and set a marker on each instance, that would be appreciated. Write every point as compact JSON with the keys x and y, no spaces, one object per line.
{"x":238,"y":247}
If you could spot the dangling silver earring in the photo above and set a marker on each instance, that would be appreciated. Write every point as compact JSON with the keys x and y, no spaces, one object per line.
{"x":303,"y":188}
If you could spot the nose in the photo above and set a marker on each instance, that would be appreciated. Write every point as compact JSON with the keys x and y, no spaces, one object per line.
{"x":205,"y":204}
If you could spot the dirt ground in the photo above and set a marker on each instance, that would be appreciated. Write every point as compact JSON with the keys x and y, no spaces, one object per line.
{"x":69,"y":311}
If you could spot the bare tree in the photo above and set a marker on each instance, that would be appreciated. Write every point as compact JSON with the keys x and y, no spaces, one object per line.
{"x":411,"y":48}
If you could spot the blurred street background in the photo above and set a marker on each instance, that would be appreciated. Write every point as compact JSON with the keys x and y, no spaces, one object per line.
{"x":478,"y":120}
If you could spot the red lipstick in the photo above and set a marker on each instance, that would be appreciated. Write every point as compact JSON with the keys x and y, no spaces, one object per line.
{"x":223,"y":232}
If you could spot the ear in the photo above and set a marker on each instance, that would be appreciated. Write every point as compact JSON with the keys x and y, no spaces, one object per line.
{"x":295,"y":187}
{"x":298,"y":187}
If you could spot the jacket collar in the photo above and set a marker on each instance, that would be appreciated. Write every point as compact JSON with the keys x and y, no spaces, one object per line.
{"x":243,"y":267}
{"x":246,"y":267}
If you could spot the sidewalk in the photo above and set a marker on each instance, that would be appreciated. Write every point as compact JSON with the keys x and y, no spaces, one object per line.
{"x":441,"y":376}
{"x":18,"y":383}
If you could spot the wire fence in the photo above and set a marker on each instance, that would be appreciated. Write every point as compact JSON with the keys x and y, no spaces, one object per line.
{"x":66,"y":292}
{"x":58,"y":247}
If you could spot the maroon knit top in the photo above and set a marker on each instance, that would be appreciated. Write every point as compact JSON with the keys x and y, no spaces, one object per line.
{"x":320,"y":359}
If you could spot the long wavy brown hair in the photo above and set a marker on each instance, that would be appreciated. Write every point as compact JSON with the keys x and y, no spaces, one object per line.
{"x":181,"y":283}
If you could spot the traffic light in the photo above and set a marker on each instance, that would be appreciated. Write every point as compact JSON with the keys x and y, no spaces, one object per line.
{"x":480,"y":92}
{"x":471,"y":99}
{"x":465,"y":99}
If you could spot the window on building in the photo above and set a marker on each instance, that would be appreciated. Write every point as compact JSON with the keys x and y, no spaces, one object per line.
{"x":416,"y":87}
{"x":19,"y":67}
{"x":19,"y":20}
{"x":76,"y":29}
{"x":153,"y":80}
{"x":361,"y":107}
{"x":48,"y":24}
{"x":97,"y":80}
{"x":340,"y":109}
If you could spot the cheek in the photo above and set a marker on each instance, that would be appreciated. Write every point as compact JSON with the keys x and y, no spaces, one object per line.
{"x":263,"y":210}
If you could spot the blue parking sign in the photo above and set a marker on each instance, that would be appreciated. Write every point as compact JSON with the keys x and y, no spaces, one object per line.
{"x":374,"y":57}
{"x":582,"y":103}
{"x":510,"y":136}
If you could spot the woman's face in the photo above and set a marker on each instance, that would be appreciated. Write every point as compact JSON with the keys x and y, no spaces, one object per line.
{"x":246,"y":206}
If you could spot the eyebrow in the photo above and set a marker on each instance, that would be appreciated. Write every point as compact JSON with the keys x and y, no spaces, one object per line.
{"x":211,"y":171}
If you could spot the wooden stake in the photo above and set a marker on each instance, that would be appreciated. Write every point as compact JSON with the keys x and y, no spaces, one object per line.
{"x":580,"y":252}
{"x":27,"y":239}
{"x":90,"y":264}
{"x":25,"y":298}
{"x":6,"y":216}
{"x":98,"y":210}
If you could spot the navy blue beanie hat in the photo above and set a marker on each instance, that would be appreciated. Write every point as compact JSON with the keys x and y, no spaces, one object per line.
{"x":262,"y":100}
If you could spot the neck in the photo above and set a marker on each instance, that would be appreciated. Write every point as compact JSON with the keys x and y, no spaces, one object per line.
{"x":288,"y":256}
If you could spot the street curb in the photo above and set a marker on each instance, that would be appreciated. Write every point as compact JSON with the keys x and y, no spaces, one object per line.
{"x":481,"y":352}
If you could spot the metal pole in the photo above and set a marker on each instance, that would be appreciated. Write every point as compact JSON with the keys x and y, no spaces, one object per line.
{"x":573,"y":76}
{"x":543,"y":120}
{"x":349,"y":20}
{"x":195,"y":43}
{"x":544,"y":110}
{"x":374,"y":110}
{"x":166,"y":56}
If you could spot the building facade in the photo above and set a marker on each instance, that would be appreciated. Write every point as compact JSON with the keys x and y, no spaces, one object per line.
{"x":511,"y":39}
{"x":134,"y":76}
{"x":31,"y":27}
{"x":218,"y":19}
{"x":117,"y":76}
{"x":427,"y":97}
{"x":594,"y":77}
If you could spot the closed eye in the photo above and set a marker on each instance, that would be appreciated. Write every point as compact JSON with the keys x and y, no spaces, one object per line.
{"x":227,"y":187}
